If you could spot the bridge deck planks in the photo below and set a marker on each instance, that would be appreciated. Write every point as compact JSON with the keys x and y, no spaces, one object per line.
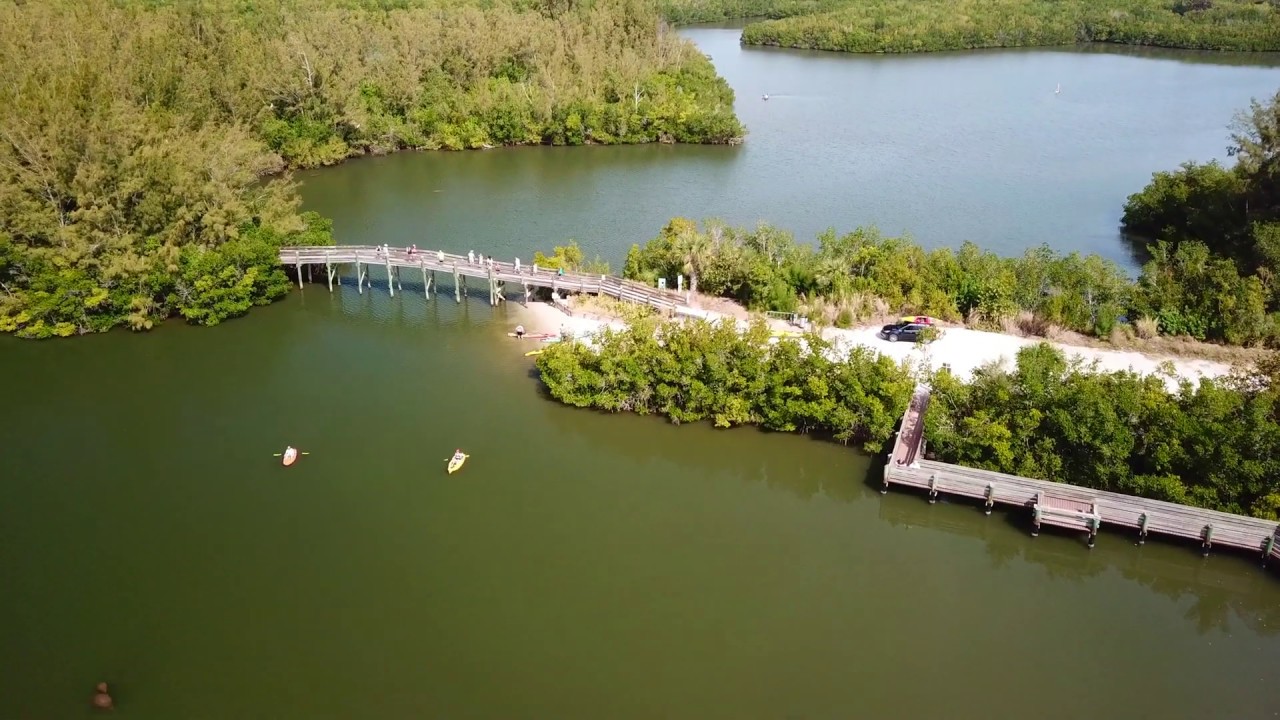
{"x":503,"y":272}
{"x":1060,"y":502}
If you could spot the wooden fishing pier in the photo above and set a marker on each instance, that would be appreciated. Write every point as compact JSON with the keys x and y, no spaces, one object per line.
{"x":495,"y":274}
{"x":1068,"y":506}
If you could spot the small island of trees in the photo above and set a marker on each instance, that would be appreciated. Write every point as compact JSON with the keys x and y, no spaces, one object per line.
{"x":903,"y":26}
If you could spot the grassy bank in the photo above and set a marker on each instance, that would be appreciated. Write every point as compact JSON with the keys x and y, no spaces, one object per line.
{"x":897,"y":26}
{"x":134,"y":134}
{"x":1214,"y":445}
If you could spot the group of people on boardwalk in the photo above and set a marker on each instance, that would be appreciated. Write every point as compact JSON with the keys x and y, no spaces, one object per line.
{"x":473,"y":258}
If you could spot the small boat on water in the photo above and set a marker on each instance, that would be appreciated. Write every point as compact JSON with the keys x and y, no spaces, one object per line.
{"x":532,"y":336}
{"x":456,"y":462}
{"x":551,"y":339}
{"x":532,"y":353}
{"x":290,"y":455}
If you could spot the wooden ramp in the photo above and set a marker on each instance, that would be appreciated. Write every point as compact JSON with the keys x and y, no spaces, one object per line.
{"x":1070,"y":506}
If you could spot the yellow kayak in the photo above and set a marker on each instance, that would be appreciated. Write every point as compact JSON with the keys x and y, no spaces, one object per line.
{"x":531,"y":353}
{"x":456,"y":462}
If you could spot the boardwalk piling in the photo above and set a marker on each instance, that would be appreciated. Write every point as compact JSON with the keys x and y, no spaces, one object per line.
{"x":1070,"y":507}
{"x":334,"y":258}
{"x":991,"y":499}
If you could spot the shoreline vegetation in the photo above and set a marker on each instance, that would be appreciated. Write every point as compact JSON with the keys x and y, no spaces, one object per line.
{"x":906,"y":26}
{"x":1212,"y":444}
{"x":145,"y":144}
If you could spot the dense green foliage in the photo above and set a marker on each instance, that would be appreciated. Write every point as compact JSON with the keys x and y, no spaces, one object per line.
{"x":570,"y":257}
{"x":703,"y":11}
{"x":321,"y":80}
{"x":134,"y":136}
{"x":1215,"y":231}
{"x":862,"y":275}
{"x":702,"y":371}
{"x":896,"y":26}
{"x":1214,"y":445}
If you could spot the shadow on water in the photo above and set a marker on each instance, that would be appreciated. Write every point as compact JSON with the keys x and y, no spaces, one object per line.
{"x":804,"y":466}
{"x":1224,"y":585}
{"x":1218,"y":588}
{"x":1138,"y":247}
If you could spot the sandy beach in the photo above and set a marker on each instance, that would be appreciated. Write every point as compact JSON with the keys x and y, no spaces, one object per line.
{"x":962,"y":349}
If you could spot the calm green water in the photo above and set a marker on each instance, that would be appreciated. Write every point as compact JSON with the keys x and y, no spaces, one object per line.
{"x":580,"y":565}
{"x":945,"y":146}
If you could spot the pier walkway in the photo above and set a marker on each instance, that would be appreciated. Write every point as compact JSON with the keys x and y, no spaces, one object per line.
{"x":495,"y":275}
{"x":1068,"y":506}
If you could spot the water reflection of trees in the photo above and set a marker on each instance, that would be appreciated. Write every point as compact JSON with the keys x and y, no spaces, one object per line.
{"x":804,"y":466}
{"x":1224,"y":589}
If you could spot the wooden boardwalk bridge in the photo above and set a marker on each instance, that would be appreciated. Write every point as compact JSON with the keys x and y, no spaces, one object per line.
{"x":1068,"y":506}
{"x":495,"y":274}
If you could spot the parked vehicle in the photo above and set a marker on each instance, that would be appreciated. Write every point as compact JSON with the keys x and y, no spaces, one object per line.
{"x":909,"y":331}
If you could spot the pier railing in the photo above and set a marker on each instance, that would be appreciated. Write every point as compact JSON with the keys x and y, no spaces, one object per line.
{"x":1069,"y":506}
{"x":495,"y":273}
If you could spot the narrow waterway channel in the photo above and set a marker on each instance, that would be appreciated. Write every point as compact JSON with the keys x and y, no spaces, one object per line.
{"x":580,"y":565}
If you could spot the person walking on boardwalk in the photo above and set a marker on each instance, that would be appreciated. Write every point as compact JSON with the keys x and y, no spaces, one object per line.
{"x":517,"y":266}
{"x":413,"y":249}
{"x":560,"y":272}
{"x":440,"y":255}
{"x":471,"y":257}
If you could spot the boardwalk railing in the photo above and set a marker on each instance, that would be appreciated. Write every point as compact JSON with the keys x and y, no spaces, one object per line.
{"x":497,"y":274}
{"x":1069,"y":506}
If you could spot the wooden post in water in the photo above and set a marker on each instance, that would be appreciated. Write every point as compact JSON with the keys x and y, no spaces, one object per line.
{"x":426,"y":284}
{"x":528,"y":293}
{"x":359,"y":275}
{"x":390,"y":288}
{"x":457,"y":284}
{"x":297,"y":265}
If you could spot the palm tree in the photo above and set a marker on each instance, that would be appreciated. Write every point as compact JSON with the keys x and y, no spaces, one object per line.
{"x":695,"y":249}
